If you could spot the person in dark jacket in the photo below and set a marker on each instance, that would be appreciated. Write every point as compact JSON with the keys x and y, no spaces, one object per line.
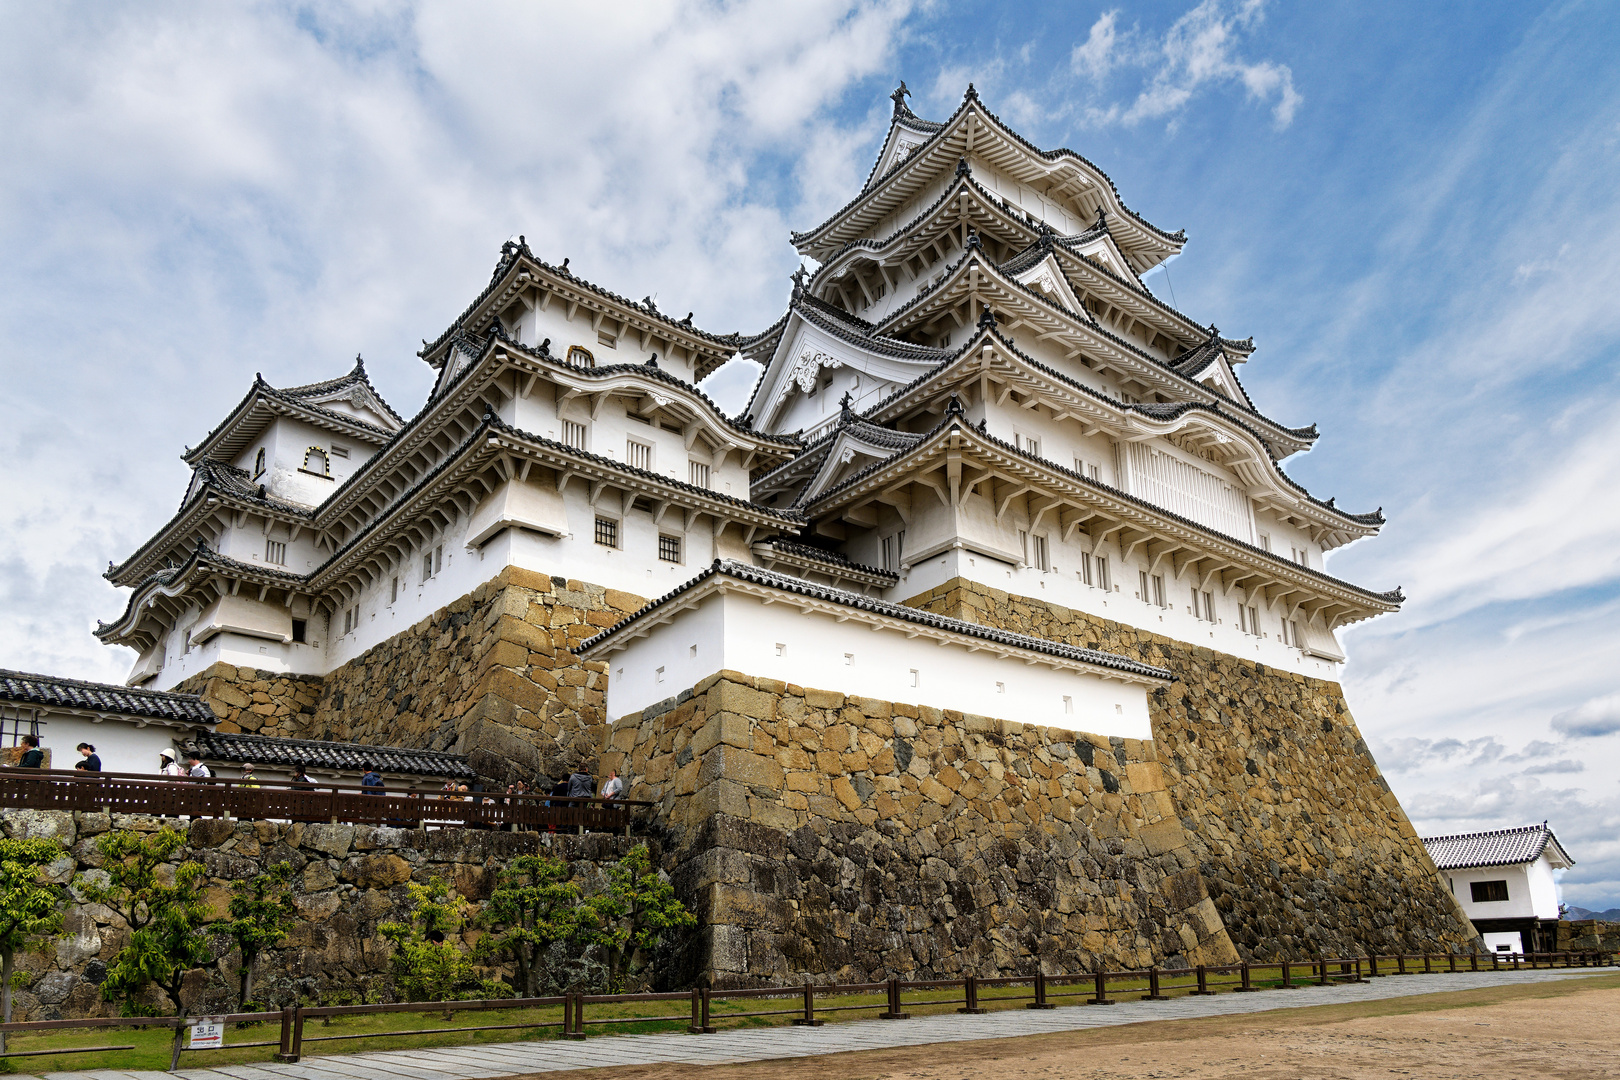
{"x":33,"y":757}
{"x":580,"y":785}
{"x":372,"y":782}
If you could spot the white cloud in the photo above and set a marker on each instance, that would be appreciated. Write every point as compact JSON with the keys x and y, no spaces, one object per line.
{"x":191,"y":195}
{"x":1590,"y":719}
{"x":1198,"y":52}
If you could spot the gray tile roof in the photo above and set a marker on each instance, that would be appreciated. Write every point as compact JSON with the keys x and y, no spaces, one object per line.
{"x":760,"y":576}
{"x":24,"y":688}
{"x":321,"y":754}
{"x":1501,"y":847}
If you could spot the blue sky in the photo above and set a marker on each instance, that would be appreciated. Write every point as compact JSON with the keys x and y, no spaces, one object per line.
{"x":1411,"y":207}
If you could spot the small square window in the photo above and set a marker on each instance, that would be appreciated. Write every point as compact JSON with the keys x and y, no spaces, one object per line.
{"x":607,"y":532}
{"x":659,"y":672}
{"x":605,"y":338}
{"x":1068,"y":704}
{"x":300,"y":630}
{"x":849,"y":659}
{"x":669,"y":548}
{"x":915,"y":678}
{"x":638,"y":455}
{"x":340,"y":451}
{"x":781,"y":649}
{"x":1488,"y":892}
{"x":698,"y":474}
{"x":427,"y":565}
{"x":1001,"y":688}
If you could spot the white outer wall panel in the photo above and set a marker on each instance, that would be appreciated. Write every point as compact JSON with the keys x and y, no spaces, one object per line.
{"x":123,"y":746}
{"x":1532,"y":891}
{"x":742,"y":633}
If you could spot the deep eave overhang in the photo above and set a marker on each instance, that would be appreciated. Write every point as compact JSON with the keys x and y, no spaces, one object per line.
{"x":724,"y":576}
{"x":262,"y":404}
{"x":941,"y":151}
{"x":206,"y":501}
{"x":520,"y":269}
{"x":955,"y":436}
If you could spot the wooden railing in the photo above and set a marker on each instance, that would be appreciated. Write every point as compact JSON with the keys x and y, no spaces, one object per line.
{"x":890,"y":1000}
{"x":217,"y":797}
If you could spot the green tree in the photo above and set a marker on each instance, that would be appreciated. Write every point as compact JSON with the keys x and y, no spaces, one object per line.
{"x":534,"y":906}
{"x":164,"y":909}
{"x":428,"y":964}
{"x":261,"y":913}
{"x":30,"y":907}
{"x":633,"y":915}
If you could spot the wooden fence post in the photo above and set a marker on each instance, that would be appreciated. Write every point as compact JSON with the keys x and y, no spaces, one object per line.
{"x":286,"y":1052}
{"x":1287,"y":976}
{"x":578,"y":1030}
{"x":809,"y":1017}
{"x":1322,"y":974}
{"x":970,"y":994}
{"x":696,"y":1027}
{"x":1040,"y":1001}
{"x":1101,"y":997}
{"x":1428,"y":967}
{"x":894,"y":1012}
{"x":179,"y":1036}
{"x":1153,"y":985}
{"x":1203,"y":984}
{"x":1400,"y":963}
{"x":1246,"y":987}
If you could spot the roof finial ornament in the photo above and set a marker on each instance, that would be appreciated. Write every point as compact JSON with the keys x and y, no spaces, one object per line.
{"x":649,"y":303}
{"x":845,"y":413}
{"x":1214,"y":333}
{"x":359,"y":363}
{"x":971,"y":95}
{"x":688,"y":320}
{"x":565,"y":265}
{"x":953,"y":407}
{"x":1102,"y":217}
{"x":545,"y":348}
{"x":489,"y":414}
{"x":1331,"y":499}
{"x":987,"y":318}
{"x":984,"y":424}
{"x":973,"y":241}
{"x":799,"y":277}
{"x":652,"y":362}
{"x":963,"y":168}
{"x":899,"y":97}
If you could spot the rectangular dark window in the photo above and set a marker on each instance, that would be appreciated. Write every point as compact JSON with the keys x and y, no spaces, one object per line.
{"x":1488,"y":892}
{"x":607,"y":532}
{"x":299,"y":630}
{"x":669,"y":548}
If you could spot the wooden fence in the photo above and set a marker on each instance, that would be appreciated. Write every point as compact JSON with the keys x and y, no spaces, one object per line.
{"x":799,"y":1004}
{"x":217,"y":797}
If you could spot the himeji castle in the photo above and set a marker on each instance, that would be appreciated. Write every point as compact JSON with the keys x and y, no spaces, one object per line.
{"x":974,"y":383}
{"x":995,"y":594}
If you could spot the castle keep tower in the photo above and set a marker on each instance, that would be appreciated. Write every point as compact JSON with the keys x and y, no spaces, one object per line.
{"x":991,"y":635}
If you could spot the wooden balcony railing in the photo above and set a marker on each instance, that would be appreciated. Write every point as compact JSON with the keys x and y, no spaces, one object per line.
{"x":217,"y":797}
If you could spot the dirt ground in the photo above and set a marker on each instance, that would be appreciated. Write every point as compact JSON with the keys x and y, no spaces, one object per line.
{"x":1570,"y":1031}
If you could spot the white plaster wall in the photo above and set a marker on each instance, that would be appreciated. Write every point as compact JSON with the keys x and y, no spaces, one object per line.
{"x":742,"y":633}
{"x":1525,"y":899}
{"x":122,"y":745}
{"x":534,"y":326}
{"x":1062,"y":586}
{"x":286,"y":442}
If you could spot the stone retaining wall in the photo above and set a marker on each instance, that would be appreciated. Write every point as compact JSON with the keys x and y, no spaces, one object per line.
{"x":847,"y":839}
{"x":348,"y":880}
{"x":490,"y":676}
{"x":1588,"y":935}
{"x":1302,"y":844}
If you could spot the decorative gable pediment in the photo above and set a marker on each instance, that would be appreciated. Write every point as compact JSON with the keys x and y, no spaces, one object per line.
{"x":856,"y":446}
{"x":1046,"y":277}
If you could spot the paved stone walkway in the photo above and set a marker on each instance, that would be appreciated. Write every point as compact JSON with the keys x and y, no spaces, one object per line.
{"x":761,"y":1044}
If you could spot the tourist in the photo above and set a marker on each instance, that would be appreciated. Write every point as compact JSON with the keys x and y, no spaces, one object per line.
{"x":33,"y":757}
{"x":196,"y":767}
{"x":248,"y":779}
{"x":613,"y":790}
{"x":301,"y":780}
{"x":168,"y":766}
{"x":558,"y":790}
{"x":90,"y":761}
{"x":372,"y":782}
{"x":580,"y":784}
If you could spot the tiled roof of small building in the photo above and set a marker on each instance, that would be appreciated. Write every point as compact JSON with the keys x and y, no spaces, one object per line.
{"x":321,"y":754}
{"x":771,"y":579}
{"x":1500,"y":847}
{"x":22,"y":687}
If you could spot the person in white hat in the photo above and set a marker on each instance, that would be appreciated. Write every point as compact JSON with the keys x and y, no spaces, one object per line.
{"x":169,"y":767}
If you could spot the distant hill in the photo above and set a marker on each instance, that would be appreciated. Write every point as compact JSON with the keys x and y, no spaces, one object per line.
{"x":1611,"y":915}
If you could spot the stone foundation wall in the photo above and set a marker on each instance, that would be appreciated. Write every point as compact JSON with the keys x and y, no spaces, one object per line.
{"x":837,"y":838}
{"x":1302,"y":844}
{"x":1588,"y":935}
{"x":348,"y":880}
{"x":490,"y":676}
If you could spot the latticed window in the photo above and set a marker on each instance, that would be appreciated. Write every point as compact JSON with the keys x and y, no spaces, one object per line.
{"x":669,"y":548}
{"x":698,"y":474}
{"x":607,"y":532}
{"x":275,"y":552}
{"x":581,"y":356}
{"x":638,"y":455}
{"x":573,"y":434}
